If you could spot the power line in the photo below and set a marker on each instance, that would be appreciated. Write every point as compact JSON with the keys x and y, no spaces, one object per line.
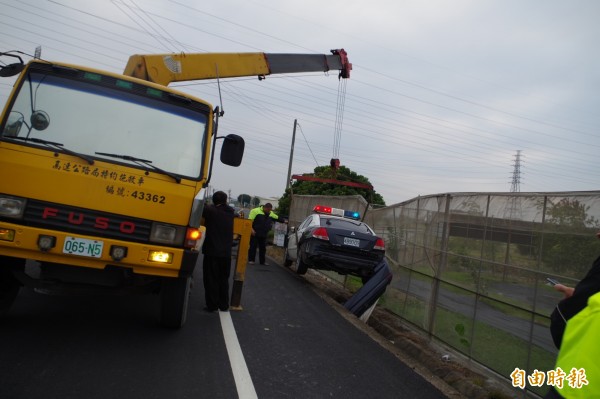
{"x":156,"y":35}
{"x":308,"y":145}
{"x":445,"y":137}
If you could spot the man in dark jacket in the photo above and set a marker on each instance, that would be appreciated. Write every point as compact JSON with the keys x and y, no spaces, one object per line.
{"x":218,"y":219}
{"x":262,"y":222}
{"x":575,"y":300}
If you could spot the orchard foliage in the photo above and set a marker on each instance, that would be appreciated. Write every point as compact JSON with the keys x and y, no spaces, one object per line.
{"x":317,"y":188}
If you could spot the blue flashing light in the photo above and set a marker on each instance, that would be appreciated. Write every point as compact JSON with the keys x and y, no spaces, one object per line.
{"x":352,"y":214}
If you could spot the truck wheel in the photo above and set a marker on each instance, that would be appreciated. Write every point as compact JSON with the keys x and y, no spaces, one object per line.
{"x":286,"y":260}
{"x":9,"y":288}
{"x":174,"y":298}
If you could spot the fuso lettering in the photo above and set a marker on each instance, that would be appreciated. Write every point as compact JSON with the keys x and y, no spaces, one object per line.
{"x":100,"y":222}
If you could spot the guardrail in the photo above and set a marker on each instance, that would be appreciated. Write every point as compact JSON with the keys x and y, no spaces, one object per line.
{"x":470,"y":269}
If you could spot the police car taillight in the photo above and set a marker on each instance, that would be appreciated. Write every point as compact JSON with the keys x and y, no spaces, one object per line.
{"x":321,"y":234}
{"x":379,"y":244}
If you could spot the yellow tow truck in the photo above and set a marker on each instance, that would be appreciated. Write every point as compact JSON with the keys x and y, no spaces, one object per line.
{"x":103,"y":175}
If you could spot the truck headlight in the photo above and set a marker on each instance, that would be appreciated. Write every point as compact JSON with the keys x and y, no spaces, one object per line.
{"x":167,"y":234}
{"x":12,"y":207}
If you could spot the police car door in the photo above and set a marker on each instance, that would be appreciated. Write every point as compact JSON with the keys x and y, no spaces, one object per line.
{"x":292,"y":246}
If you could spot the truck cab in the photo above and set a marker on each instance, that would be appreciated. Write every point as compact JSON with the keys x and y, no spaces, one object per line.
{"x":101,"y":183}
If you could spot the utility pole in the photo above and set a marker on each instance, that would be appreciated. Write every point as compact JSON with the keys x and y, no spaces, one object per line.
{"x":289,"y":175}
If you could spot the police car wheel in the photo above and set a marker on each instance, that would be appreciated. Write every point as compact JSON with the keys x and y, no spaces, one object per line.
{"x":301,"y":267}
{"x":286,"y":260}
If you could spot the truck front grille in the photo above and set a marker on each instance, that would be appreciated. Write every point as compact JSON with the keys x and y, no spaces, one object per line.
{"x":86,"y":221}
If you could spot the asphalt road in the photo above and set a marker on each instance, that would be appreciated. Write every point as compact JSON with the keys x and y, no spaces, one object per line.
{"x":294,"y":345}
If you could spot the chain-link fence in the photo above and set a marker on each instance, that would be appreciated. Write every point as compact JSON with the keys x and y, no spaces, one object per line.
{"x":470,"y":269}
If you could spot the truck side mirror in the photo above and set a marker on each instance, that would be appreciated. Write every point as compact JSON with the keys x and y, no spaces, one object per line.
{"x":13,"y":125}
{"x":232,"y":150}
{"x":11,"y":69}
{"x":40,"y":120}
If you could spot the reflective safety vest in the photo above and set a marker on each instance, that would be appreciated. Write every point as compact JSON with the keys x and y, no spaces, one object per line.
{"x":579,"y":354}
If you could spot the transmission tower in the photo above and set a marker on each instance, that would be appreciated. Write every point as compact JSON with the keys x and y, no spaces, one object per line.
{"x":515,"y":187}
{"x":513,"y":207}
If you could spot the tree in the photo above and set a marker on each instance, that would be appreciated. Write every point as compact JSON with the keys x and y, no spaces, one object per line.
{"x":244,"y":200}
{"x":255,"y":202}
{"x":571,"y":213}
{"x":568,"y":242}
{"x":318,"y":188}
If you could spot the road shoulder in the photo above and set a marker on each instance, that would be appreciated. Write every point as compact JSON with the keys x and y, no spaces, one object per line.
{"x":443,"y":369}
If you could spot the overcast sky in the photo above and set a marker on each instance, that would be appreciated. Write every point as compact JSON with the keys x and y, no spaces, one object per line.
{"x":442,"y":94}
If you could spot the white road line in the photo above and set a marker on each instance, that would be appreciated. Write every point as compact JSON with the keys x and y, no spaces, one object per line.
{"x":243,"y":382}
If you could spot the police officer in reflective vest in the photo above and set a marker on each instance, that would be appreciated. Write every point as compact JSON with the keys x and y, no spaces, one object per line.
{"x":578,"y":356}
{"x":262,"y":222}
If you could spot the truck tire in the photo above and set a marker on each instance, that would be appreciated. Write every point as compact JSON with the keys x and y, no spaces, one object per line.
{"x":9,"y":288}
{"x":174,"y":298}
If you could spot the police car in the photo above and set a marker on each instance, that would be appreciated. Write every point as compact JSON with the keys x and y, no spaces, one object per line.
{"x":334,"y":239}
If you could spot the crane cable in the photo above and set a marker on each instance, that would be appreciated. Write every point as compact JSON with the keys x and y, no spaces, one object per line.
{"x":339,"y":120}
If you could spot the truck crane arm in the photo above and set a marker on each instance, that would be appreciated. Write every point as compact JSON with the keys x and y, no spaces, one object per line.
{"x":167,"y":68}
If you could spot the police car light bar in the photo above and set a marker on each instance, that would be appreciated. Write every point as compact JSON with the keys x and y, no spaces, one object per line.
{"x":322,"y":209}
{"x":351,"y":214}
{"x":336,"y":212}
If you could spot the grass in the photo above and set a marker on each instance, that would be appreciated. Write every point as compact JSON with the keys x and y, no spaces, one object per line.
{"x":498,"y":350}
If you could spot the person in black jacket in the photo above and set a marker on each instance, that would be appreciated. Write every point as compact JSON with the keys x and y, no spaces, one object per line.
{"x":574,"y":301}
{"x":262,"y":222}
{"x":218,"y":219}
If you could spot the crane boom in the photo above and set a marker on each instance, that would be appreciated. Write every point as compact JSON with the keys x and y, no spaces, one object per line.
{"x":167,"y":68}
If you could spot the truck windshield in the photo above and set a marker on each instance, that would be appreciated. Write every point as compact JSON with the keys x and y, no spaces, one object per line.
{"x":90,"y":113}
